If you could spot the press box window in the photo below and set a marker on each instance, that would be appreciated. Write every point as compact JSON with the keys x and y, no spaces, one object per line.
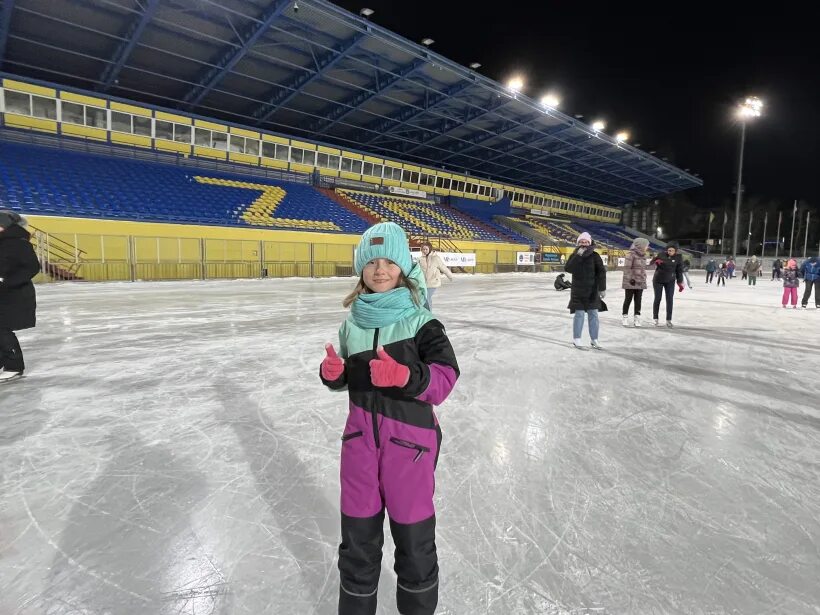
{"x":44,"y":107}
{"x":241,"y":145}
{"x":275,"y":151}
{"x":212,"y":139}
{"x":17,"y":102}
{"x":131,"y":124}
{"x":182,"y":133}
{"x":83,"y":115}
{"x":164,"y":130}
{"x":355,"y":166}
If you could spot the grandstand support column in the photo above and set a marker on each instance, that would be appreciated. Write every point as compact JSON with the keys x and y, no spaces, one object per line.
{"x":262,"y":259}
{"x":311,"y":260}
{"x":132,"y":258}
{"x":203,"y":272}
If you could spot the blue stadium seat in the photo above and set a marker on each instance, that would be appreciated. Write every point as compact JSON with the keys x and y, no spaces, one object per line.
{"x":47,"y":181}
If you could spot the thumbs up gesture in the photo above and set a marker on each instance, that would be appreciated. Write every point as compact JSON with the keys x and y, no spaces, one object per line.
{"x":386,"y":372}
{"x":333,"y":366}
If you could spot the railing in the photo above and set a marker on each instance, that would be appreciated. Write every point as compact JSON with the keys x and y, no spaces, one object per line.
{"x":79,"y":257}
{"x":59,"y":259}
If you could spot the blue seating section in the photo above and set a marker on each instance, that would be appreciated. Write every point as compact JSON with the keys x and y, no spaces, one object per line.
{"x":55,"y":182}
{"x":611,"y":234}
{"x":405,"y":212}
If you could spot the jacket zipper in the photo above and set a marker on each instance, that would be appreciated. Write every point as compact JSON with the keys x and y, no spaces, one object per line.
{"x":407,"y":444}
{"x":374,"y":415}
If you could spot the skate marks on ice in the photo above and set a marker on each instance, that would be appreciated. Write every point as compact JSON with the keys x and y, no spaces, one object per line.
{"x":567,"y":483}
{"x":130,"y":545}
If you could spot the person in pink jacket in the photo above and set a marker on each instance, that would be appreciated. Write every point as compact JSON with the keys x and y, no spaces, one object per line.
{"x":634,"y":280}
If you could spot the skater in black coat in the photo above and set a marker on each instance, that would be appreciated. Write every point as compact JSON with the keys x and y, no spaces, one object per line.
{"x":588,"y":289}
{"x":560,"y":283}
{"x":668,"y":270}
{"x":18,"y":265}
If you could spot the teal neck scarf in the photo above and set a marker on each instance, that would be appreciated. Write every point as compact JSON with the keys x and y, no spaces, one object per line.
{"x":377,"y":310}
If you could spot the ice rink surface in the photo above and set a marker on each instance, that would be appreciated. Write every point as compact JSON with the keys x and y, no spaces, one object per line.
{"x":172,"y":451}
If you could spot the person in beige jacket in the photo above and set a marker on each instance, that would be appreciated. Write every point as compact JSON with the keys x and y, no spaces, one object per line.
{"x":432,"y":266}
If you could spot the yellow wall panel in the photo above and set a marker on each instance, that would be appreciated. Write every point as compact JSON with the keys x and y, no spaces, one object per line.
{"x":328,"y":150}
{"x":117,"y":137}
{"x":86,"y":100}
{"x":371,"y":180}
{"x":23,"y":121}
{"x":244,"y":133}
{"x":275,"y":139}
{"x":208,"y":152}
{"x":210,"y":126}
{"x":390,"y":182}
{"x":130,"y":109}
{"x":303,"y":145}
{"x":349,"y":175}
{"x":170,"y":117}
{"x":276,"y":164}
{"x":411,"y":167}
{"x":352,"y":155}
{"x":85,"y":131}
{"x":19,"y":86}
{"x":173,"y":146}
{"x":301,"y":168}
{"x":243,"y":158}
{"x":372,"y":159}
{"x":329,"y":172}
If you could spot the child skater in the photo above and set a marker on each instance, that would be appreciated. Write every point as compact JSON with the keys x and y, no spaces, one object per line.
{"x":790,"y":283}
{"x":396,"y":362}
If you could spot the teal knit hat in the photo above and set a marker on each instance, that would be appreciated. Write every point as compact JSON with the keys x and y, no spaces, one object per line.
{"x":384,"y":240}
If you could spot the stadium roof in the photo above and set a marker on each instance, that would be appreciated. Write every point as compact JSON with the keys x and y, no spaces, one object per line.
{"x":311,"y":69}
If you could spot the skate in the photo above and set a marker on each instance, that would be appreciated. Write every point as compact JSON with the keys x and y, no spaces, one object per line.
{"x":638,"y":322}
{"x":625,"y":320}
{"x":657,"y":322}
{"x":577,"y":344}
{"x":9,"y":376}
{"x":669,"y":324}
{"x":596,"y":345}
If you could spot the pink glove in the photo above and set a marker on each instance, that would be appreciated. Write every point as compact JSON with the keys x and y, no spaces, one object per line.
{"x":386,"y":372}
{"x":680,"y":288}
{"x":332,"y":366}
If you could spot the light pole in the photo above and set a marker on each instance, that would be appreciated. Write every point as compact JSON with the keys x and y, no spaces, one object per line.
{"x":750,"y":108}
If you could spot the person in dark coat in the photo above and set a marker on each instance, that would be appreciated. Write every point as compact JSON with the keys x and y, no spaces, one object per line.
{"x":777,"y":268}
{"x":18,"y":265}
{"x":561,"y":283}
{"x":668,"y":271}
{"x":588,"y":289}
{"x":711,"y":267}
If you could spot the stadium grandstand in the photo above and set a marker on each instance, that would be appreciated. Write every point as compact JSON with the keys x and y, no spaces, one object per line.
{"x":162,"y":141}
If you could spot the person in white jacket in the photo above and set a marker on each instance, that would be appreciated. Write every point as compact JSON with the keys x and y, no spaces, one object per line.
{"x":432,"y":266}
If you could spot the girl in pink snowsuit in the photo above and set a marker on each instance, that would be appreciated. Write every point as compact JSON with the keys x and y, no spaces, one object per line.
{"x":790,"y":283}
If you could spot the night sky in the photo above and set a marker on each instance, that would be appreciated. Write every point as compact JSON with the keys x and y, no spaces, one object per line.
{"x":669,"y":73}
